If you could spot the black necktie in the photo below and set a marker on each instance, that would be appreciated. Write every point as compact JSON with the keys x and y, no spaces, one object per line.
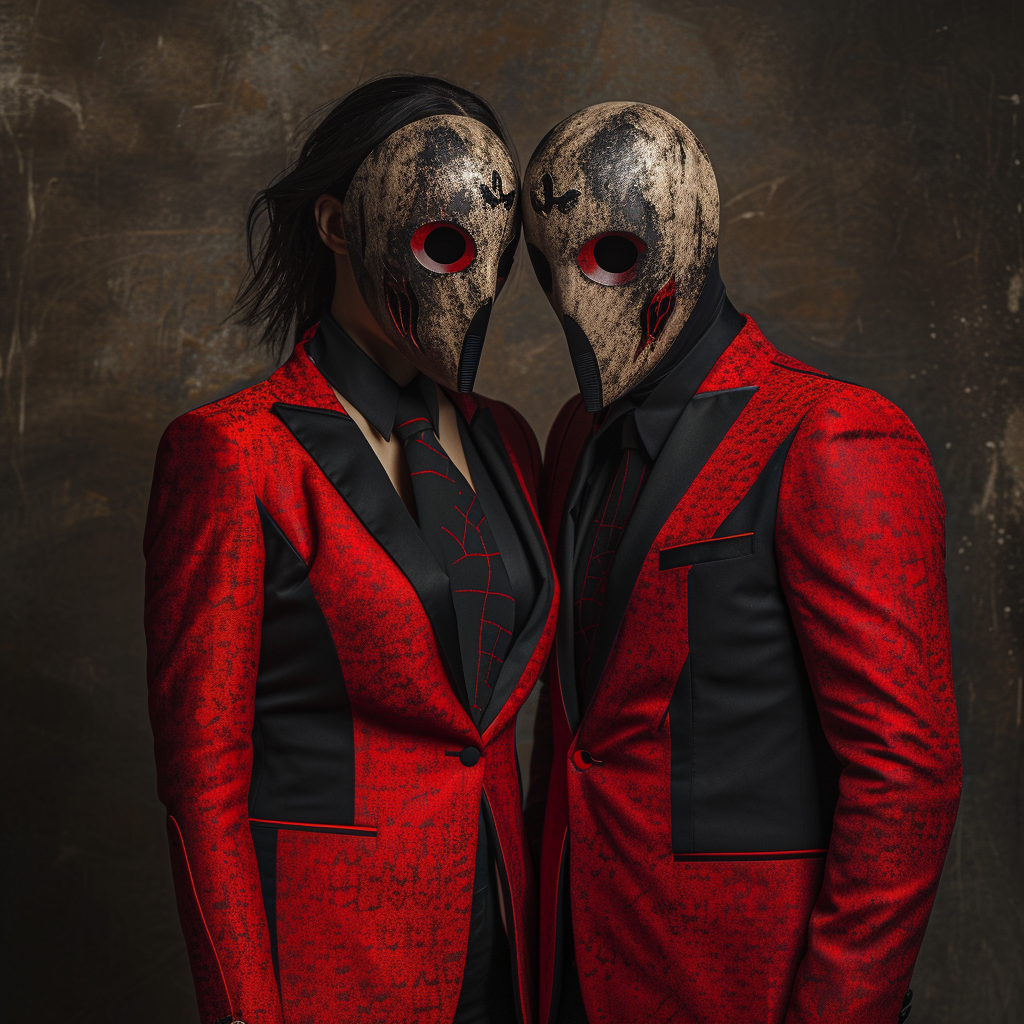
{"x":453,"y":525}
{"x":601,"y":541}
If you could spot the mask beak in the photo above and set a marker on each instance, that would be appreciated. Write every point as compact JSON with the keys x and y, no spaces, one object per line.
{"x":584,"y":364}
{"x":472,"y":347}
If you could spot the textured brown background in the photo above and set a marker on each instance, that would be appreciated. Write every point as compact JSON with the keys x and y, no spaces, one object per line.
{"x":869,"y":162}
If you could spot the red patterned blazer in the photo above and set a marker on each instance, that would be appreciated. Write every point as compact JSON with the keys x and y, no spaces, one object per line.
{"x":752,"y":811}
{"x":322,"y":777}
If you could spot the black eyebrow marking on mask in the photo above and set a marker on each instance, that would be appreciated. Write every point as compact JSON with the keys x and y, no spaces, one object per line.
{"x":496,"y":196}
{"x":563,"y":203}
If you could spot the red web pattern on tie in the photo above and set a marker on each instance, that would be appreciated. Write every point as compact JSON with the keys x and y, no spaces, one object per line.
{"x":480,"y":586}
{"x":607,"y":528}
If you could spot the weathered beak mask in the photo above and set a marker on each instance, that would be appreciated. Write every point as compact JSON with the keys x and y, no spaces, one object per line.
{"x":622,"y":227}
{"x":432,"y":222}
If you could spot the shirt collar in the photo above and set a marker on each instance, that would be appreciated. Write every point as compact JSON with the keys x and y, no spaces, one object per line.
{"x":352,"y":373}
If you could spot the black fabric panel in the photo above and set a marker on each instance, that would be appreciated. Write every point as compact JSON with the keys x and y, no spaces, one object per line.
{"x":704,"y":423}
{"x":561,"y":911}
{"x":680,"y":719}
{"x":337,"y":446}
{"x":767,"y":781}
{"x":264,"y":841}
{"x":706,"y":551}
{"x":487,"y":995}
{"x":516,"y":530}
{"x":303,"y":747}
{"x":569,"y":1007}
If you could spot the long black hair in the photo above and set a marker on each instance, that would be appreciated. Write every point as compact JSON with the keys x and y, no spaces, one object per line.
{"x":291,"y":273}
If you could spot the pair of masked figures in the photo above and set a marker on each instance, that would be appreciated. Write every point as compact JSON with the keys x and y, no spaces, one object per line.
{"x":727,"y":571}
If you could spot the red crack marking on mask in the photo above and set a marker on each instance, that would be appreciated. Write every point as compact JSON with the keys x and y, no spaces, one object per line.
{"x":401,"y":305}
{"x":659,"y":308}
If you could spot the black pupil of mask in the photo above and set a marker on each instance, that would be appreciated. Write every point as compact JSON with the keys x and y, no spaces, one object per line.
{"x":615,"y":254}
{"x":444,"y":245}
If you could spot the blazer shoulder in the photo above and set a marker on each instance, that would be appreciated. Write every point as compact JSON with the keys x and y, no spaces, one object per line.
{"x":839,"y":412}
{"x":231,"y":417}
{"x":853,"y":440}
{"x":842,"y":402}
{"x":848,"y":411}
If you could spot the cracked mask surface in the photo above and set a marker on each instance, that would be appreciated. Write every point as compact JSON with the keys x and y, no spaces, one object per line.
{"x":432,"y":221}
{"x":622,"y":225}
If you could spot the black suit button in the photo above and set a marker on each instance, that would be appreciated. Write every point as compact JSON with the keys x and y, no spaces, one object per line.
{"x":469,"y":756}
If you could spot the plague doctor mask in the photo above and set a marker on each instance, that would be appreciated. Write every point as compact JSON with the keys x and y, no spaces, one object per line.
{"x":621,"y":222}
{"x":432,"y":222}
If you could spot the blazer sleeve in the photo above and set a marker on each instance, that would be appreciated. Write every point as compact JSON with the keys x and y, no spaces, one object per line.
{"x":203,"y":611}
{"x":860,"y":544}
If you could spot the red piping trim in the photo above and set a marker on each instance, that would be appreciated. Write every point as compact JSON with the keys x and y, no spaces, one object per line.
{"x":732,"y":536}
{"x":368,"y":830}
{"x":202,"y":916}
{"x":765,"y":855}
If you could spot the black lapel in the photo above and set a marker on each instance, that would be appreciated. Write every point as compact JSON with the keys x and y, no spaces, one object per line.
{"x":702,"y":426}
{"x":336,"y":444}
{"x":516,"y":531}
{"x":567,"y":541}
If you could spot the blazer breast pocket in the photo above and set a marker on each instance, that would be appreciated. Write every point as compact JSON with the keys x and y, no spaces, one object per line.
{"x":713,"y":550}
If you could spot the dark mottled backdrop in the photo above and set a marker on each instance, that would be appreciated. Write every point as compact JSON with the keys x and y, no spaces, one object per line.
{"x":869,"y":160}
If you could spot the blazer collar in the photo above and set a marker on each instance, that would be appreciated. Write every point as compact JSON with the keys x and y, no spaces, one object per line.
{"x":658,"y":410}
{"x":334,"y":441}
{"x":350,"y":371}
{"x":309,"y":409}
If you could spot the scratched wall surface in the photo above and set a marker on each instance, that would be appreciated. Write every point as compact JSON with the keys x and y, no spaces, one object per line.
{"x":869,"y":162}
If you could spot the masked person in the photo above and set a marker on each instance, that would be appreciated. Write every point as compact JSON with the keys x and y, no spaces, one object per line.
{"x":755,"y":758}
{"x":349,"y":597}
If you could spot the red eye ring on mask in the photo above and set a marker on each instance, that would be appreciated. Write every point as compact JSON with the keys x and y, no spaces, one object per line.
{"x":443,"y":247}
{"x":611,"y":257}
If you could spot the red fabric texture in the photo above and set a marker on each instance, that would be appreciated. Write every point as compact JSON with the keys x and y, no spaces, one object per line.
{"x":860,"y":550}
{"x":369,"y":928}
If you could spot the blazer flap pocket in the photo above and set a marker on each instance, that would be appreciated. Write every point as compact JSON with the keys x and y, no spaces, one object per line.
{"x":368,"y":831}
{"x":706,"y":551}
